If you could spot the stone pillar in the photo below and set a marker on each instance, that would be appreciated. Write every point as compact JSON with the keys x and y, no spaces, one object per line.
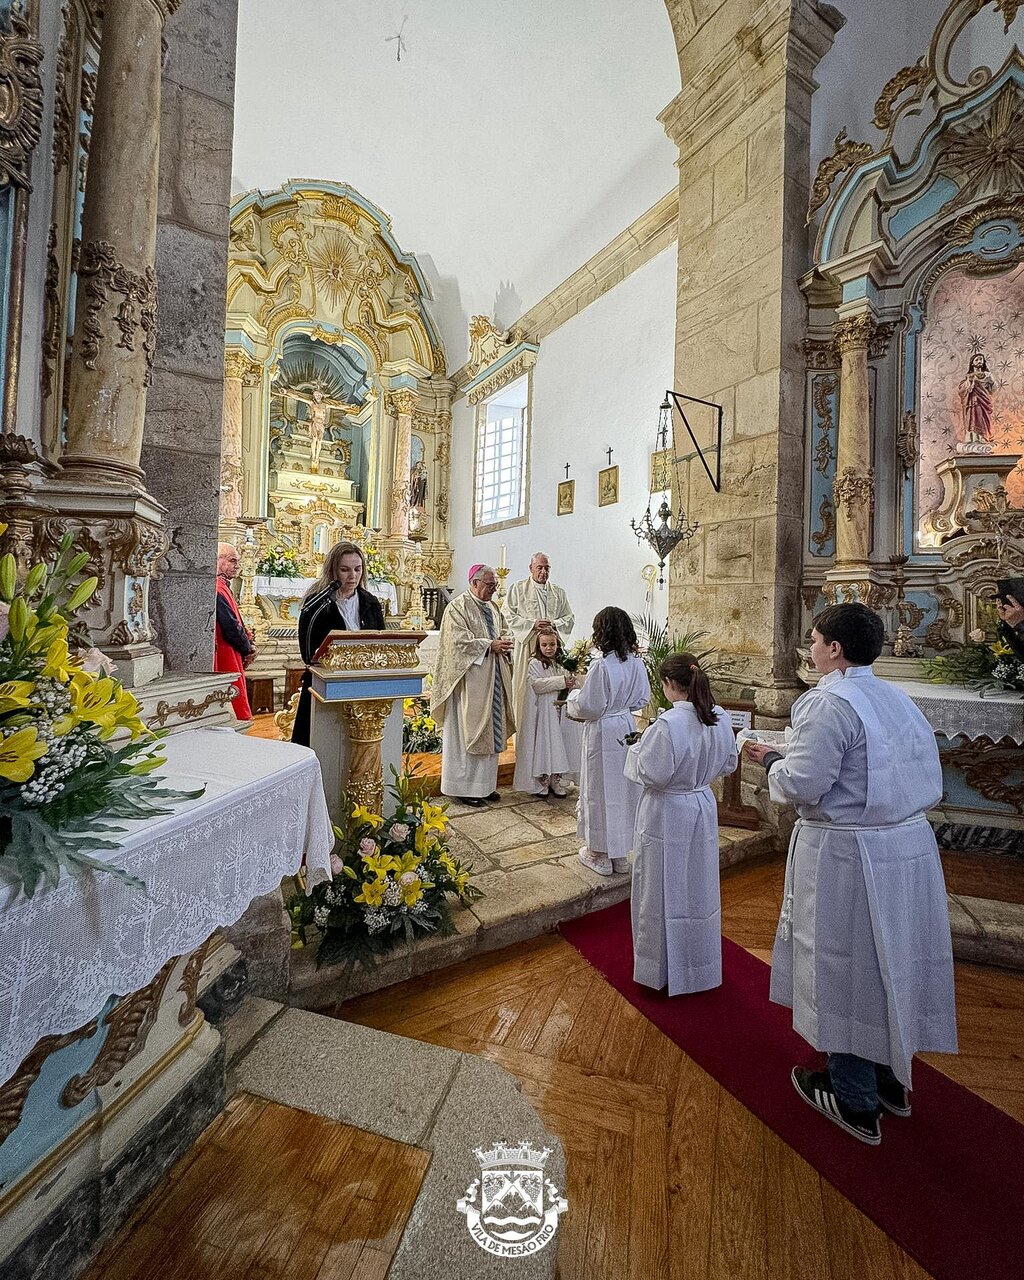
{"x":742,"y":124}
{"x":239,"y":371}
{"x":115,"y":332}
{"x":854,"y":485}
{"x":401,"y":404}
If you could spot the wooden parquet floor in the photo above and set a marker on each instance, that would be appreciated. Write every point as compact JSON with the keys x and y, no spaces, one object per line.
{"x":270,"y":1191}
{"x":670,"y":1178}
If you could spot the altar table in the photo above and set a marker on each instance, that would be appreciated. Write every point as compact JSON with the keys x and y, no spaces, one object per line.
{"x":66,"y":951}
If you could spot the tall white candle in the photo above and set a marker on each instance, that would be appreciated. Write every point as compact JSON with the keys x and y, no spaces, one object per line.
{"x":502,"y":562}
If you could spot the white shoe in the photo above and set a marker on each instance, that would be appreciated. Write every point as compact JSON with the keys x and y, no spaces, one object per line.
{"x":620,"y":866}
{"x":597,"y":862}
{"x":558,"y":788}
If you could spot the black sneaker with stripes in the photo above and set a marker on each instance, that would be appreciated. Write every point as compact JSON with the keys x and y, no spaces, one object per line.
{"x":894,"y":1097}
{"x":815,"y":1088}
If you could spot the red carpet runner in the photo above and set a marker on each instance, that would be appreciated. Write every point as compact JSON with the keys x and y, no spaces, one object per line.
{"x":946,"y":1184}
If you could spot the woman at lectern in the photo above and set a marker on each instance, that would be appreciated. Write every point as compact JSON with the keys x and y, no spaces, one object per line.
{"x":337,"y":601}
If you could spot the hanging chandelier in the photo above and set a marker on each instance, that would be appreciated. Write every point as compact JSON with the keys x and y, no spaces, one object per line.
{"x":665,"y":530}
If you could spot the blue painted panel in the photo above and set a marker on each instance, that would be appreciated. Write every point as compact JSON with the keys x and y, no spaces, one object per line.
{"x":862,"y":288}
{"x":45,"y":1122}
{"x":926,"y":602}
{"x":821,"y":461}
{"x":344,"y":689}
{"x":925,"y":207}
{"x":957,"y":794}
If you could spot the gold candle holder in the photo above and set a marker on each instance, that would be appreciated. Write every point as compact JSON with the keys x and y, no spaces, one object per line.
{"x":500,"y":593}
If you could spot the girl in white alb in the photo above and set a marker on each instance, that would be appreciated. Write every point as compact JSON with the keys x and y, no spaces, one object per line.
{"x":541,"y":757}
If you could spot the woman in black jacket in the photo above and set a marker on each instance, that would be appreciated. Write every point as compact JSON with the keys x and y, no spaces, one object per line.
{"x":337,"y":601}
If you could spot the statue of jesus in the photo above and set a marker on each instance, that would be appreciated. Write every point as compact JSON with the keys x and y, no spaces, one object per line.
{"x":976,"y":406}
{"x":316,"y":421}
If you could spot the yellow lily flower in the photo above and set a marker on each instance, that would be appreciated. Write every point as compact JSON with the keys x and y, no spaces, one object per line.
{"x":379,"y":864}
{"x":58,"y":660}
{"x":362,"y":816}
{"x":15,"y":695}
{"x":433,"y":817}
{"x":372,"y":894}
{"x":424,"y":841}
{"x":448,"y":862}
{"x":411,"y":893}
{"x":18,"y":755}
{"x":94,"y":700}
{"x":407,"y":862}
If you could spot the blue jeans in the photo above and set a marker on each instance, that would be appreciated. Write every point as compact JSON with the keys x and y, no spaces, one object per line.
{"x":856,"y":1080}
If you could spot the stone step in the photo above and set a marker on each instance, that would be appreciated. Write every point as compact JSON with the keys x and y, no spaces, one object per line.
{"x":987,"y":932}
{"x":521,"y":902}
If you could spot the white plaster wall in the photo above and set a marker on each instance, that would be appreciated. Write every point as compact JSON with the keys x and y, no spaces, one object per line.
{"x":509,"y":145}
{"x":881,"y":37}
{"x":598,"y":381}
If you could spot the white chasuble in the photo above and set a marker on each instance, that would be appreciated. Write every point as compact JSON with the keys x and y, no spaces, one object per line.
{"x":611,"y":693}
{"x":863,"y":952}
{"x":675,"y":899}
{"x":527,"y":603}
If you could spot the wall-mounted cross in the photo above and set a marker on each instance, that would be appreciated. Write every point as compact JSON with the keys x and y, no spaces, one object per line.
{"x":567,"y":471}
{"x":608,"y":451}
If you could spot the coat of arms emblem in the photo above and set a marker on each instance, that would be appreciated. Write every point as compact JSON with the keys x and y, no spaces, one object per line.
{"x":512,"y":1209}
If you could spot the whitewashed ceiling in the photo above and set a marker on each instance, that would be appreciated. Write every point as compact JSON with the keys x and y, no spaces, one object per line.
{"x":512,"y":141}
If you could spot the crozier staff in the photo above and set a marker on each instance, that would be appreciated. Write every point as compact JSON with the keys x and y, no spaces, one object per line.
{"x":863,"y":954}
{"x":337,"y":601}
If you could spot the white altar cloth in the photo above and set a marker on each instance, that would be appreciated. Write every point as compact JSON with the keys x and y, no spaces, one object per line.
{"x":954,"y":711}
{"x":64,"y":952}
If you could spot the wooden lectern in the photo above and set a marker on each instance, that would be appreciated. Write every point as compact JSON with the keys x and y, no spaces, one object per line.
{"x":359,"y":682}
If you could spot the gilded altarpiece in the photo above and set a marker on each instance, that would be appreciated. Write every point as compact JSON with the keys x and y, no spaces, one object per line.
{"x":337,"y":408}
{"x":914,"y":421}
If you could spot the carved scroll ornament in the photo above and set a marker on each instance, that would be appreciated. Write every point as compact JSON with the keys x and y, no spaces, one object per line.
{"x":852,"y":490}
{"x":21,"y":101}
{"x":846,"y":155}
{"x":14,"y":1092}
{"x":102,"y":275}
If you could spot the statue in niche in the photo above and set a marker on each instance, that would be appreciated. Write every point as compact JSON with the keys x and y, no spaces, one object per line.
{"x":974,"y":434}
{"x":418,"y":486}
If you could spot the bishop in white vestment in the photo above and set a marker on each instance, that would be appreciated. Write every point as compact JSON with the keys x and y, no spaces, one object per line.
{"x":471,"y":695}
{"x":530,"y":604}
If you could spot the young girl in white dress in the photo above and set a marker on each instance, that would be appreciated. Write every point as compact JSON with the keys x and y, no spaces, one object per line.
{"x":616,"y":686}
{"x":676,"y":902}
{"x":541,"y":757}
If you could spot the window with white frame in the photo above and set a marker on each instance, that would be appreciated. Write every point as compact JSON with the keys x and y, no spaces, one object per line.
{"x":501,"y":460}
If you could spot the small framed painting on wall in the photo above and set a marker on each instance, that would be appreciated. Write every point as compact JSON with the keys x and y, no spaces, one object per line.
{"x":608,"y":486}
{"x":566,"y":497}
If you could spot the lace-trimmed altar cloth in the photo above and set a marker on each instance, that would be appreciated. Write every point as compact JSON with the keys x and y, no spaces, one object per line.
{"x":65,"y":951}
{"x":956,"y":712}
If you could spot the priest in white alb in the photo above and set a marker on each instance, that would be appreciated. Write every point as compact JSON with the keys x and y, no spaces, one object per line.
{"x":471,"y":695}
{"x":534,"y":605}
{"x":863,"y":954}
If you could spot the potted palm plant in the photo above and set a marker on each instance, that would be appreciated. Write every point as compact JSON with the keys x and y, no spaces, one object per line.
{"x":657,"y":642}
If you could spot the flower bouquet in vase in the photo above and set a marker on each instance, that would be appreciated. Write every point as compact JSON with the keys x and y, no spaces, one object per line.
{"x":392,"y":879}
{"x":74,"y":752}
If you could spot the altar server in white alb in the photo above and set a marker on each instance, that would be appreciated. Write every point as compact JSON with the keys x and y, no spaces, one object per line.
{"x":616,"y":686}
{"x":676,"y":901}
{"x":471,"y":695}
{"x":532,"y":606}
{"x":542,"y":761}
{"x":863,"y":952}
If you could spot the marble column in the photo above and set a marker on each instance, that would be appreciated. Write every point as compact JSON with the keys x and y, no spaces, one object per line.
{"x":401,"y":404}
{"x":239,"y":372}
{"x":854,"y":486}
{"x":115,"y":334}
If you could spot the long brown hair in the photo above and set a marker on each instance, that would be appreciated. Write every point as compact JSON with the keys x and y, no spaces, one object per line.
{"x":614,"y":633}
{"x":332,"y":567}
{"x":684,"y":670}
{"x":535,"y":652}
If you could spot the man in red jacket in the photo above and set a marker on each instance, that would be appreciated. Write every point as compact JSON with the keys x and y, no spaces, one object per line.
{"x":233,"y":646}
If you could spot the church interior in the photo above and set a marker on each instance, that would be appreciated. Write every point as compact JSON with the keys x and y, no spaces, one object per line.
{"x":716,"y":314}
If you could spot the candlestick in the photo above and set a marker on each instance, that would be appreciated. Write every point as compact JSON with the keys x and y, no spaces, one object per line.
{"x":501,"y":561}
{"x":499,"y":595}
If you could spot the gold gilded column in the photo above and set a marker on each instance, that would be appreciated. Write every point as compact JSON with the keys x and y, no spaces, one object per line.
{"x":854,"y":485}
{"x":115,"y":331}
{"x":239,"y":371}
{"x":366,"y":721}
{"x":402,"y":405}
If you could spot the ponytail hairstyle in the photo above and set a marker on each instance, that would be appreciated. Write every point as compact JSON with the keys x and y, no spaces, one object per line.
{"x":684,"y":670}
{"x":535,"y":652}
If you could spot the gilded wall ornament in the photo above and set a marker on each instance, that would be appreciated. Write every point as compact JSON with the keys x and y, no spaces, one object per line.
{"x":102,"y":275}
{"x":53,"y":329}
{"x":128,"y":1025}
{"x":878,"y":343}
{"x":990,"y":155}
{"x":441,"y":507}
{"x":846,"y":155}
{"x":939,"y":635}
{"x":189,"y":709}
{"x":824,"y":454}
{"x":400,"y":403}
{"x":821,"y":353}
{"x":853,"y":491}
{"x":909,"y":78}
{"x":854,"y":333}
{"x":14,"y":1092}
{"x":64,"y":119}
{"x":189,"y":984}
{"x":21,"y":101}
{"x":371,"y":657}
{"x":339,"y":209}
{"x":826,"y":531}
{"x":907,"y":443}
{"x":988,"y":768}
{"x":334,"y":266}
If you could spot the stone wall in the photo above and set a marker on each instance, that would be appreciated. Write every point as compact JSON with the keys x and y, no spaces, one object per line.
{"x":743,"y":129}
{"x":181,"y":453}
